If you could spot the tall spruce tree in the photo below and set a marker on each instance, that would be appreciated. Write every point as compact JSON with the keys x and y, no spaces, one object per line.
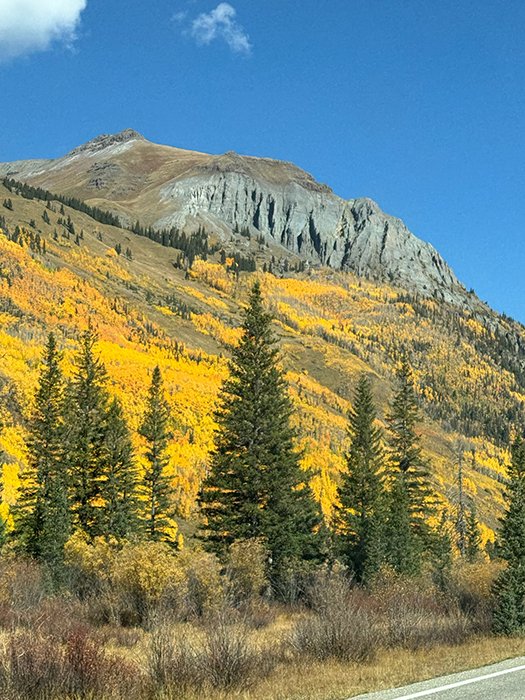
{"x":473,"y":536}
{"x":42,"y":517}
{"x":118,"y":488}
{"x":410,"y":493}
{"x":509,"y":588}
{"x":256,"y":488}
{"x":3,"y":524}
{"x":88,"y":400}
{"x":156,"y":484}
{"x":360,"y":520}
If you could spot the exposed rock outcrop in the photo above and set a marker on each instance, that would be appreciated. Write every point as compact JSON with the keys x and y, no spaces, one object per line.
{"x":309,"y":219}
{"x":164,"y":186}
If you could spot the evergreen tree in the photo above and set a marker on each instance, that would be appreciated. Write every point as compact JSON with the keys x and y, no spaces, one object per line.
{"x":255,"y":488}
{"x":360,"y":519}
{"x":42,"y":517}
{"x":473,"y":536}
{"x":440,"y":551}
{"x":118,"y":488}
{"x":461,"y":522}
{"x":156,"y":483}
{"x":88,"y":400}
{"x":509,"y":589}
{"x":410,"y":495}
{"x":3,"y":524}
{"x":403,"y":550}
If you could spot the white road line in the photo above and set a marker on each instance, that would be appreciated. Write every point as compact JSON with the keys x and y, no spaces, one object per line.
{"x":424,"y":693}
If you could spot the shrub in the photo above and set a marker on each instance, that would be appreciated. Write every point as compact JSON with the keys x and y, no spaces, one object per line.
{"x":471,"y":585}
{"x":22,"y":585}
{"x":246,"y":569}
{"x":228,"y":660}
{"x":340,"y":625}
{"x":90,"y":563}
{"x":414,"y":615}
{"x":205,"y":592}
{"x":221,"y":656}
{"x":32,"y":667}
{"x":143,"y":576}
{"x":172,"y":662}
{"x":42,"y":668}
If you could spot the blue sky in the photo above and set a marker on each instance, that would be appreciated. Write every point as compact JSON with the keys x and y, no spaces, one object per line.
{"x":418,"y":104}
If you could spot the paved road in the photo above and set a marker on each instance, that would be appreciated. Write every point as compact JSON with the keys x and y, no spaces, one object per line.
{"x":503,"y":681}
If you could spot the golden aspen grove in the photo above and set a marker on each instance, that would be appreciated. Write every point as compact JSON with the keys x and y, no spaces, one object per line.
{"x":331,"y":327}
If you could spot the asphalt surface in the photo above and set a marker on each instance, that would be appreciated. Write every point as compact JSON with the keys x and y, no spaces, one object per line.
{"x":503,"y":681}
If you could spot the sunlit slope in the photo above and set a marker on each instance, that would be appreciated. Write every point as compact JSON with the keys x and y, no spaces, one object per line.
{"x":331,"y":327}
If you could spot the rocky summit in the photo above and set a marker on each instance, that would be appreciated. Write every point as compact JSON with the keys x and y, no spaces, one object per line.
{"x":276,"y":201}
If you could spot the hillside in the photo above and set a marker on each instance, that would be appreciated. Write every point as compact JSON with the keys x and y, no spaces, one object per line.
{"x":332,"y":325}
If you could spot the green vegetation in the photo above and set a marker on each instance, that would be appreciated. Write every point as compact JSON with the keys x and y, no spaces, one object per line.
{"x":42,"y":516}
{"x":361,"y":517}
{"x":510,"y":586}
{"x":255,"y":488}
{"x":156,"y":484}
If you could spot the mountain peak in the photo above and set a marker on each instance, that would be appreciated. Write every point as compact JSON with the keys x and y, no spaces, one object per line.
{"x":106,"y":140}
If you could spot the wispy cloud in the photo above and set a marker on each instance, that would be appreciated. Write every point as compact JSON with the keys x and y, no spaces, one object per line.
{"x":220,"y":23}
{"x":32,"y":25}
{"x":179,"y":16}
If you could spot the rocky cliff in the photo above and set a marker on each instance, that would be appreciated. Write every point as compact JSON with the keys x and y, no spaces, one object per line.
{"x":165,"y":186}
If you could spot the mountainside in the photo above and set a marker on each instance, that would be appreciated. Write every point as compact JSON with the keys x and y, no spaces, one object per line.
{"x":60,"y":266}
{"x":280,"y":204}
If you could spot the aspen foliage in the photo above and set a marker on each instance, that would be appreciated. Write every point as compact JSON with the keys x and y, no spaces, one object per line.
{"x":331,"y":327}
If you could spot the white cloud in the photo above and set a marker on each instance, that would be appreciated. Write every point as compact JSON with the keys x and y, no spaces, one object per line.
{"x":220,"y":24}
{"x":32,"y":25}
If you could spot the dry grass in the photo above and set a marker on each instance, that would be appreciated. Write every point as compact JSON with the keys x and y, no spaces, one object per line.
{"x":392,"y":668}
{"x":293,"y":679}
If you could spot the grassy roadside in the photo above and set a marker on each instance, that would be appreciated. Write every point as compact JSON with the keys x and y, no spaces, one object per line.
{"x":307,"y":679}
{"x":391,"y":668}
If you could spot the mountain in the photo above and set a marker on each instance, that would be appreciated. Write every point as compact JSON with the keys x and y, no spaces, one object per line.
{"x":276,"y":201}
{"x":173,"y":299}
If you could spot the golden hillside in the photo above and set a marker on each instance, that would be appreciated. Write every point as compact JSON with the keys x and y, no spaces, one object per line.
{"x":59,"y":267}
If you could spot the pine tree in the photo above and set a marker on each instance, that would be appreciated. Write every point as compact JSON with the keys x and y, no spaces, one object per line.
{"x":509,"y":589}
{"x":440,"y":550}
{"x":403,"y":550}
{"x":156,"y":483}
{"x":410,"y":495}
{"x":461,"y":522}
{"x":473,"y":536}
{"x":256,"y":488}
{"x":361,"y":518}
{"x":3,"y":524}
{"x":42,"y":517}
{"x":88,"y":401}
{"x":118,"y":488}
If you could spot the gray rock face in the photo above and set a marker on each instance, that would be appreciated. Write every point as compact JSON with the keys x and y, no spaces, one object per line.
{"x":307,"y":218}
{"x":272,"y":198}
